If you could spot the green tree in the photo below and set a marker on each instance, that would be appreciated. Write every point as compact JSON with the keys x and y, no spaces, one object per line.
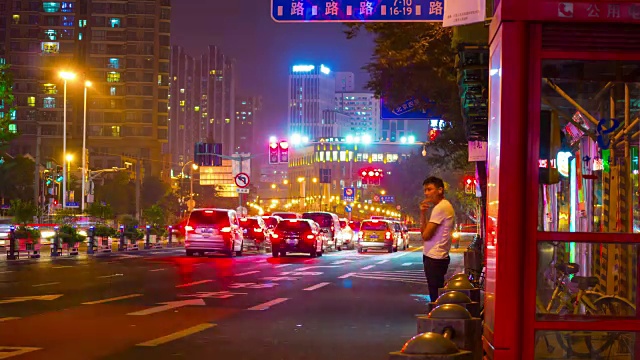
{"x":16,"y":178}
{"x":416,"y":60}
{"x":405,"y":183}
{"x":152,"y":191}
{"x":154,"y":216}
{"x":6,"y":106}
{"x":119,"y":192}
{"x":101,"y":212}
{"x":23,"y":211}
{"x":171,"y":206}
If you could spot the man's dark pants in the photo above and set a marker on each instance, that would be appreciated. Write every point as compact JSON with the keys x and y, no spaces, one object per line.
{"x":435,"y":270}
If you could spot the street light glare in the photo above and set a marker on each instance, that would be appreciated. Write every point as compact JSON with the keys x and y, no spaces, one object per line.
{"x":194,"y":166}
{"x":67,"y":75}
{"x":87,"y":83}
{"x":69,"y":157}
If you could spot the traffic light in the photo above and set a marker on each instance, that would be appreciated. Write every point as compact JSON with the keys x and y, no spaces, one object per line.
{"x":58,"y":176}
{"x":371,"y":176}
{"x":433,"y":134}
{"x":274,"y":154}
{"x":284,"y":151}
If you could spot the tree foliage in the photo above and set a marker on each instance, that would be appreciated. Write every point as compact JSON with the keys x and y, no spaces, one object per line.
{"x":416,"y":60}
{"x":152,"y":191}
{"x":119,"y":192}
{"x":23,"y":211}
{"x":6,"y":105}
{"x":16,"y":178}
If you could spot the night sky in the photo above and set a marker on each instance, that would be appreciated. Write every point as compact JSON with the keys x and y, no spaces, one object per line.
{"x":264,"y":50}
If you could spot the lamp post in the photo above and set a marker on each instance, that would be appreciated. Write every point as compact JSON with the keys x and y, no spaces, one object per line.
{"x":194,"y":166}
{"x":84,"y":145}
{"x":65,"y":75}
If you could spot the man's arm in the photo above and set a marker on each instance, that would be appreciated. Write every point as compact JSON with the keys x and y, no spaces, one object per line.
{"x":429,"y":231}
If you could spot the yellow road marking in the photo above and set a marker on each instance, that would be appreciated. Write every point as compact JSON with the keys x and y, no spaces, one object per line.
{"x":177,"y":335}
{"x":111,"y":299}
{"x":11,"y":351}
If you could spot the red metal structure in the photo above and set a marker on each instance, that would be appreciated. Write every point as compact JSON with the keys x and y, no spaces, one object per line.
{"x":563,"y":213}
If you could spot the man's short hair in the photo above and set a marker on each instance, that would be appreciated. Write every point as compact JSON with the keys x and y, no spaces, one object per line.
{"x":435,"y":181}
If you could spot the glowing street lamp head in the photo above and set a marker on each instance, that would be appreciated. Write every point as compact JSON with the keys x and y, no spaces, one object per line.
{"x":194,"y":166}
{"x":87,"y":83}
{"x":69,"y":157}
{"x":272,"y":139}
{"x":67,"y":75}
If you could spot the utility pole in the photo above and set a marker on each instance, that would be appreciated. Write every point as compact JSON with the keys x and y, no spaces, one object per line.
{"x":36,"y":173}
{"x":138,"y":185}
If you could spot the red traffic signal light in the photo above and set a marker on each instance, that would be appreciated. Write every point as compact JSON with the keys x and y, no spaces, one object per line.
{"x":284,"y":151}
{"x":274,"y":154}
{"x":433,"y":134}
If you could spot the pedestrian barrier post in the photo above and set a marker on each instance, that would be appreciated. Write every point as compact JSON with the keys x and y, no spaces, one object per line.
{"x":122,"y":246}
{"x":56,"y":242}
{"x":147,"y":243}
{"x":92,"y":232}
{"x":170,"y":235}
{"x":12,"y":244}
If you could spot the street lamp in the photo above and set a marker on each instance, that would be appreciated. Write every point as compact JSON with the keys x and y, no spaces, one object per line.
{"x":193,"y":167}
{"x":65,"y":75}
{"x":84,"y":144}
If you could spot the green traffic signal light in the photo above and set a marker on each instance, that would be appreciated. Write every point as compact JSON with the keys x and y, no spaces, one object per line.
{"x":59,"y":178}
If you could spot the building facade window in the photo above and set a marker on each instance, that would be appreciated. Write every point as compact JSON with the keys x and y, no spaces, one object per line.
{"x":114,"y":22}
{"x":51,"y":6}
{"x":31,"y":101}
{"x":113,"y":76}
{"x":49,"y":103}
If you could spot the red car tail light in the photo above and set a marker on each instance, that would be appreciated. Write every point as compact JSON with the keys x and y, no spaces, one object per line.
{"x":189,"y":229}
{"x":225,"y":230}
{"x":387,"y":235}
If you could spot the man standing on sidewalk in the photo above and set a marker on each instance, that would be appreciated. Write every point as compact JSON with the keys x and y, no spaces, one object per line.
{"x":436,"y":226}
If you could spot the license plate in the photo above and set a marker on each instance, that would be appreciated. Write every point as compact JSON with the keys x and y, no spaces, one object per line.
{"x":373,"y":236}
{"x":292,"y":241}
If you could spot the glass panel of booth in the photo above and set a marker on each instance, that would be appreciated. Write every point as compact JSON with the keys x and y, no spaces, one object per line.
{"x":589,"y":139}
{"x":618,"y":345}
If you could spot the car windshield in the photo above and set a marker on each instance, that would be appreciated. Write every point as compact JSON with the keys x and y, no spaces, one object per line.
{"x":249,"y":223}
{"x":324,"y":220}
{"x":297,"y":225}
{"x":215,"y":218}
{"x":374,"y":226}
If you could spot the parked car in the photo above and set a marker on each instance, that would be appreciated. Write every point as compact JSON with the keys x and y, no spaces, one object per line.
{"x":213,"y":230}
{"x":330,"y":224}
{"x":297,"y":236}
{"x":286,"y":215}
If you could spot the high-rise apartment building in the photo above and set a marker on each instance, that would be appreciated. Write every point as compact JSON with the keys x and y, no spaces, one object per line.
{"x":345,"y":82}
{"x":247,"y":110}
{"x":363,"y":110}
{"x":202,"y":103}
{"x":311,"y":93}
{"x":122,"y":47}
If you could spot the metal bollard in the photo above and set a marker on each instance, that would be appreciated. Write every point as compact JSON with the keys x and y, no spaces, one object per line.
{"x":122,"y":246}
{"x":170,"y":235}
{"x":56,"y":239}
{"x":457,"y":325}
{"x":12,"y":244}
{"x":147,"y":243}
{"x":430,"y":346}
{"x":92,"y":234}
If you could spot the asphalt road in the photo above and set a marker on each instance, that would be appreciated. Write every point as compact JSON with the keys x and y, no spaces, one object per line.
{"x":162,"y":305}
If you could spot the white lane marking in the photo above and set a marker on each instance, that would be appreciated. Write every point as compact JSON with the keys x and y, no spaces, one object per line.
{"x":110,"y":276}
{"x":368,"y":267}
{"x":47,"y":284}
{"x":193,"y":283}
{"x":5,"y":272}
{"x":319,"y":266}
{"x":407,"y":264}
{"x":316,"y":286}
{"x":403,"y":254}
{"x":248,"y":273}
{"x":161,"y":269}
{"x":413,"y":281}
{"x":341,"y":262}
{"x":282,"y":265}
{"x":346,"y":275}
{"x":61,"y":267}
{"x":111,"y":299}
{"x":268,"y":304}
{"x":382,"y":261}
{"x":177,"y":335}
{"x":9,"y":318}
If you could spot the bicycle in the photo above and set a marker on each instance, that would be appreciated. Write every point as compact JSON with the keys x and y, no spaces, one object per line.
{"x":585,"y":302}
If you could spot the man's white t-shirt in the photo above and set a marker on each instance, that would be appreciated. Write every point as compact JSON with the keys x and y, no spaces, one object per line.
{"x":440,"y":244}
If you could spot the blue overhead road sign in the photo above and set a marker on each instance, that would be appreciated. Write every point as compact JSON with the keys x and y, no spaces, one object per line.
{"x":409,"y":110}
{"x":357,"y":10}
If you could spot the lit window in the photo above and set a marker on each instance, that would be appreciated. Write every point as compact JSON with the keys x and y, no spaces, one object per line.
{"x":113,"y":76}
{"x":13,"y":114}
{"x":112,"y":91}
{"x":67,"y":6}
{"x":82,"y":23}
{"x":3,"y":61}
{"x":114,"y":63}
{"x":115,"y":131}
{"x":13,"y":128}
{"x":196,"y":108}
{"x":51,"y":34}
{"x":49,"y":89}
{"x":181,"y":91}
{"x":343,"y":156}
{"x":181,"y":102}
{"x":51,"y":7}
{"x":80,"y":36}
{"x":31,"y":101}
{"x":227,"y":120}
{"x":68,"y":21}
{"x":16,"y":19}
{"x":49,"y":103}
{"x":50,"y":48}
{"x":159,"y":79}
{"x":115,"y":22}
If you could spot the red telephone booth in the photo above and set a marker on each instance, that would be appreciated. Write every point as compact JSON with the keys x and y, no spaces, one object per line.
{"x":563,"y":204}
